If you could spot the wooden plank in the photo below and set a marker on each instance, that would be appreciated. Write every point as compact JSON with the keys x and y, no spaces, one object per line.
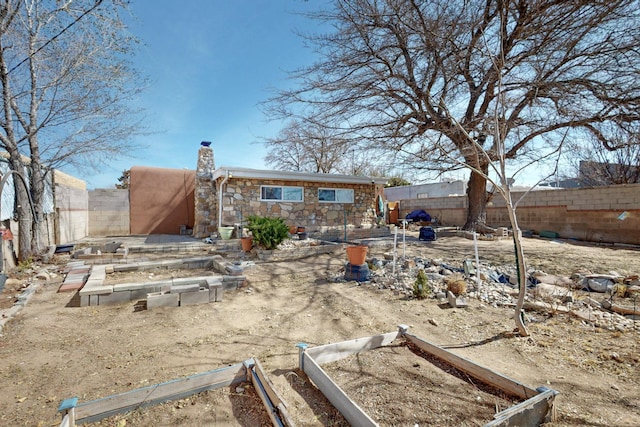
{"x":347,"y":407}
{"x":484,"y":374}
{"x":284,"y":415}
{"x":259,"y":387}
{"x":332,"y":352}
{"x":66,"y":421}
{"x":271,"y":391}
{"x":273,"y":394}
{"x":267,"y":392}
{"x":530,"y":413}
{"x":177,"y":389}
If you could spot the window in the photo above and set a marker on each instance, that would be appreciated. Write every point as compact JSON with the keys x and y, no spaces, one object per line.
{"x":335,"y":195}
{"x":285,"y":194}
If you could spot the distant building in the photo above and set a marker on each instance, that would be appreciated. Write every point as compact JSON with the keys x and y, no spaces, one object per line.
{"x":596,"y":174}
{"x":424,"y":191}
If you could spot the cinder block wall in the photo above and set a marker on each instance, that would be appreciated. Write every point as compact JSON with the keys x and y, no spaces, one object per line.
{"x":450,"y":211}
{"x":599,"y":214}
{"x":71,"y":206}
{"x":108,"y":212}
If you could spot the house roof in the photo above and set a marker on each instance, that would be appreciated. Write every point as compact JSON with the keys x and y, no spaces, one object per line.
{"x":295,"y":176}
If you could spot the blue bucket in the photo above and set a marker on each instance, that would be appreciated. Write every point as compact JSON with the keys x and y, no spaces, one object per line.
{"x":359,"y":273}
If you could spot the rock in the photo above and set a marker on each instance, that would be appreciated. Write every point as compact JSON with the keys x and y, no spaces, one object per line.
{"x":633,"y":291}
{"x":551,"y":291}
{"x":43,"y":275}
{"x":409,"y":263}
{"x":12,"y":282}
{"x":551,"y":279}
{"x":597,"y":284}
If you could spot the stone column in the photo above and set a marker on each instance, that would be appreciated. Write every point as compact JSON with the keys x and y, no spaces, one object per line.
{"x":204,"y":209}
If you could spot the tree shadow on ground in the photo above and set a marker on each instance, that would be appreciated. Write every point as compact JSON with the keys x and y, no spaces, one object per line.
{"x":324,"y":411}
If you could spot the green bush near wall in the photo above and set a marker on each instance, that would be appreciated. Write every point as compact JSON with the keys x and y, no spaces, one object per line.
{"x":267,"y":232}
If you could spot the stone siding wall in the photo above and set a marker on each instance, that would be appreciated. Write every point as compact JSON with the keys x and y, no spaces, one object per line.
{"x":599,"y":214}
{"x":204,"y":211}
{"x":241,"y":198}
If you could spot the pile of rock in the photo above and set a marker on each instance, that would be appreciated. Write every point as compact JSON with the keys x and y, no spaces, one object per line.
{"x":498,"y":286}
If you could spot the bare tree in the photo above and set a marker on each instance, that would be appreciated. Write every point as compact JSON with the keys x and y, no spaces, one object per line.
{"x":402,"y":74}
{"x":592,"y":164}
{"x":304,"y":147}
{"x":66,"y":83}
{"x":308,"y":147}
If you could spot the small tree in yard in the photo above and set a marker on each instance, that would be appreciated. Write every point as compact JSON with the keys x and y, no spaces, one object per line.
{"x":421,"y":287}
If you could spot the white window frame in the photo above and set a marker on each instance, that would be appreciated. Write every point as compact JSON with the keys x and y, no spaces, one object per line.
{"x":343,"y":191}
{"x":283,"y":189}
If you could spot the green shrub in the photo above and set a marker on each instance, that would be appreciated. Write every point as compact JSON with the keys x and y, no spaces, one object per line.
{"x":421,"y":287}
{"x":267,"y":232}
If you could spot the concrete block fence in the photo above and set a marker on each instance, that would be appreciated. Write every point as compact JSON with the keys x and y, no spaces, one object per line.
{"x":608,"y":214}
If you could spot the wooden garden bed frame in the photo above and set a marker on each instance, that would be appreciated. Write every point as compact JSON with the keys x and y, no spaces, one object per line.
{"x":74,"y":413}
{"x":536,"y":408}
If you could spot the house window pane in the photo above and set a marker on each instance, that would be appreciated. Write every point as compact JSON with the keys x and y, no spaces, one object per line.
{"x":271,"y":193}
{"x":293,"y":194}
{"x":344,"y":196}
{"x":326,"y":195}
{"x":289,"y":194}
{"x":335,"y":195}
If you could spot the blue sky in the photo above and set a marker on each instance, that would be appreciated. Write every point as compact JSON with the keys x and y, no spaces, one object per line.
{"x":210,"y":64}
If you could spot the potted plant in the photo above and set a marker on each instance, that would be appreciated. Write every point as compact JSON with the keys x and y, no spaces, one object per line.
{"x":357,"y":254}
{"x":267,"y":232}
{"x":247,"y":243}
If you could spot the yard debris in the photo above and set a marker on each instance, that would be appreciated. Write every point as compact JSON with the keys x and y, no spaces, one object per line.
{"x":498,"y":287}
{"x":455,"y":302}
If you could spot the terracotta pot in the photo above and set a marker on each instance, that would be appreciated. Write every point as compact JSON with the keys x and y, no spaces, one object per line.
{"x":247,"y":243}
{"x":357,"y":255}
{"x":301,"y":230}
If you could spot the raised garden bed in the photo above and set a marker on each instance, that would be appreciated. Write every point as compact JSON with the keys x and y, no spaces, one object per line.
{"x":435,"y":385}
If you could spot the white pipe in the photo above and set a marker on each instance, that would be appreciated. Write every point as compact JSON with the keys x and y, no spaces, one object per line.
{"x":224,"y":181}
{"x":395,"y":251}
{"x":475,"y":245}
{"x":404,"y":240}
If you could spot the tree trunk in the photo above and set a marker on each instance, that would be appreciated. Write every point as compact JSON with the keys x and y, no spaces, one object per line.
{"x":37,"y":193}
{"x":23,"y":207}
{"x":37,"y":182}
{"x":477,"y":199}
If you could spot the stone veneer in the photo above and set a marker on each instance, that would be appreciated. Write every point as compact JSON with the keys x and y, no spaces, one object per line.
{"x":205,"y":215}
{"x":241,"y":198}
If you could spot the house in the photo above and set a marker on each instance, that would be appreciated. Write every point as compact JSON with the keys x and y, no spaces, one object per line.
{"x":210,"y":198}
{"x":424,"y":191}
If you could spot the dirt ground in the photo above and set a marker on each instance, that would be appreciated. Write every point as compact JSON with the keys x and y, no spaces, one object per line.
{"x":50,"y":352}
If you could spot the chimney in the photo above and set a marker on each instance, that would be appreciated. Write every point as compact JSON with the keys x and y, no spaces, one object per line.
{"x":204,"y":209}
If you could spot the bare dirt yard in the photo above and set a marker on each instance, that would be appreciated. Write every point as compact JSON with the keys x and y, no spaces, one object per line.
{"x":50,"y":351}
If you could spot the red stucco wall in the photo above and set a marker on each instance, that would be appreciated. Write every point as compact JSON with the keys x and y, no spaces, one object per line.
{"x":161,"y":200}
